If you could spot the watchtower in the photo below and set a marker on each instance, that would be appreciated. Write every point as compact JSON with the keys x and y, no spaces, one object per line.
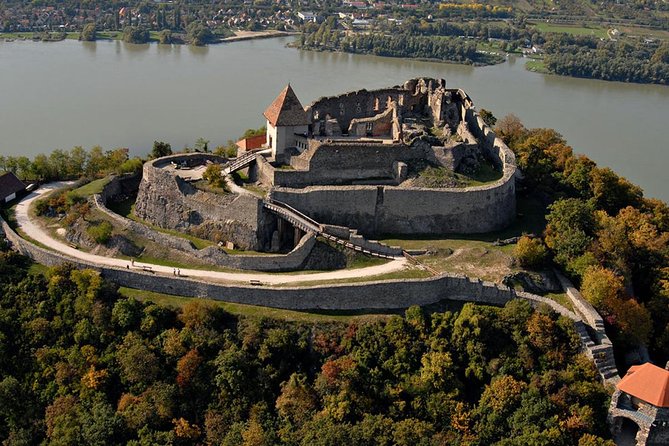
{"x":639,"y":411}
{"x":286,"y":122}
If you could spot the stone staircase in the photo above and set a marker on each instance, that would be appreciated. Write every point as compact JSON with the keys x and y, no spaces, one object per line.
{"x":346,"y":237}
{"x":606,"y":364}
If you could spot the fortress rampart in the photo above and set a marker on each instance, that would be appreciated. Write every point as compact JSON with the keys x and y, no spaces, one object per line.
{"x":212,"y":254}
{"x":403,"y":210}
{"x":392,"y":294}
{"x":401,"y":293}
{"x":168,"y":201}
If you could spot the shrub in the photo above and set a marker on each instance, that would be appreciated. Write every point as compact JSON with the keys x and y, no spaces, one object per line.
{"x":131,"y":165}
{"x":530,"y":252}
{"x":214,"y":176}
{"x":101,"y":233}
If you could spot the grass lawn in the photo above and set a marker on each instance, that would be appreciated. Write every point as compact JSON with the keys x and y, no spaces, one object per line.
{"x":576,"y":30}
{"x":252,"y":311}
{"x":126,"y":209}
{"x":485,"y":174}
{"x":476,"y":256}
{"x":92,"y":188}
{"x":536,"y":65}
{"x":409,"y":273}
{"x":38,"y":268}
{"x":562,"y":299}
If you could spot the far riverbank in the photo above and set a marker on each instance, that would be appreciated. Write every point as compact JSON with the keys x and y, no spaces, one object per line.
{"x":117,"y":35}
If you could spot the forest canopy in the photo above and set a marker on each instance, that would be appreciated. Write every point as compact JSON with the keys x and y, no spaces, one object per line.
{"x":82,"y":364}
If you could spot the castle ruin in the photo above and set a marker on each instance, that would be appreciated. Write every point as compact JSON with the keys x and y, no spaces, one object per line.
{"x":350,"y":164}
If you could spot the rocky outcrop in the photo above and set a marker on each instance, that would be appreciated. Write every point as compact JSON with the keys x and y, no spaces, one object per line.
{"x":168,"y":201}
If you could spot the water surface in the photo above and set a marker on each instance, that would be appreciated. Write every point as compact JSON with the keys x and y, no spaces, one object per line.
{"x":58,"y":95}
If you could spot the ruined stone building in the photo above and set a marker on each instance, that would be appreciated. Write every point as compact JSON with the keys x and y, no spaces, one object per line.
{"x":639,"y":412}
{"x":348,"y":162}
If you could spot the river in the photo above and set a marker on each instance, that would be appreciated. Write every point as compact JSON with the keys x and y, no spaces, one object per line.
{"x":58,"y":95}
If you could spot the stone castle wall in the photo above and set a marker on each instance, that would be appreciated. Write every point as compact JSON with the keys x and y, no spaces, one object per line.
{"x":356,"y":105}
{"x":401,"y":293}
{"x":400,"y":210}
{"x":340,"y":162}
{"x":168,"y":201}
{"x":212,"y":254}
{"x":121,"y":186}
{"x":366,"y":295}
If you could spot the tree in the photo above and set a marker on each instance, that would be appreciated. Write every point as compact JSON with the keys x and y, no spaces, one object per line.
{"x":88,"y":33}
{"x":530,"y":252}
{"x":600,"y":286}
{"x":488,"y":117}
{"x":214,"y":175}
{"x":165,"y":37}
{"x":202,"y":145}
{"x":569,"y":230}
{"x":199,"y":34}
{"x":160,"y":149}
{"x":612,"y":192}
{"x":138,"y":363}
{"x":631,"y":318}
{"x":136,"y":34}
{"x":510,"y":129}
{"x":297,"y":400}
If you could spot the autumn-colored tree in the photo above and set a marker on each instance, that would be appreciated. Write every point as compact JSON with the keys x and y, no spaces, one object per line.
{"x":185,"y":430}
{"x":297,"y":400}
{"x":594,"y":440}
{"x":510,"y":129}
{"x":612,"y":192}
{"x":187,"y":367}
{"x":600,"y":286}
{"x":530,"y":252}
{"x":138,"y":363}
{"x":632,"y":318}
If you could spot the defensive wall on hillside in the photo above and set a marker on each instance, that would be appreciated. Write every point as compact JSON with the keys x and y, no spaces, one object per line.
{"x":212,"y":254}
{"x":390,"y":294}
{"x":168,"y":201}
{"x":602,"y":349}
{"x":400,"y":293}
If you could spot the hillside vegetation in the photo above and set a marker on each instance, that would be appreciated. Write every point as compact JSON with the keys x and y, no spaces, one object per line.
{"x":80,"y":364}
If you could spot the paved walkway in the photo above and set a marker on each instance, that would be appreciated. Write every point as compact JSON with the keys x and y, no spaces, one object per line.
{"x":36,"y":232}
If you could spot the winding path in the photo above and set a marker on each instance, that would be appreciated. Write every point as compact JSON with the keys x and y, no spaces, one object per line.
{"x":37,"y":233}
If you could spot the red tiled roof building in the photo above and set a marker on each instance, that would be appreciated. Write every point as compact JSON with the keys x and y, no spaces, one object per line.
{"x":287,"y":122}
{"x":639,"y":412}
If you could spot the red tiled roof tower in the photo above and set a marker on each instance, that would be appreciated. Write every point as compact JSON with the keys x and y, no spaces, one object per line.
{"x":286,"y":110}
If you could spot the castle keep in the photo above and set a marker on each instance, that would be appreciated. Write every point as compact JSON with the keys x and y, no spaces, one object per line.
{"x":364,"y":161}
